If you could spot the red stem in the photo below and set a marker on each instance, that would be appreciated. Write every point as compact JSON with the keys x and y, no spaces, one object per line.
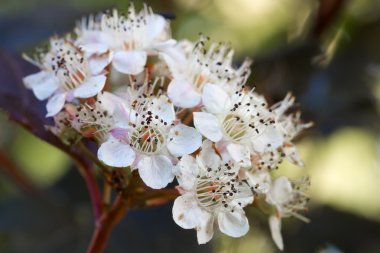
{"x":107,"y":221}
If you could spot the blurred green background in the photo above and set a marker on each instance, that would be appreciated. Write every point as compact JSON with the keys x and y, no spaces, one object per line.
{"x":326,"y":52}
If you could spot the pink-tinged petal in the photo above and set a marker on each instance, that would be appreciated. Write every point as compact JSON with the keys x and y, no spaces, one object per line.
{"x":43,"y":84}
{"x":183,"y":140}
{"x":186,"y":212}
{"x":119,"y":133}
{"x":280,"y":191}
{"x":240,"y":154}
{"x":129,"y":62}
{"x":91,"y":87}
{"x":116,"y":153}
{"x":183,"y":94}
{"x":275,"y":229}
{"x":270,"y":139}
{"x":156,"y":171}
{"x":208,"y":125}
{"x":163,"y":108}
{"x":234,"y":224}
{"x":55,"y":104}
{"x":205,"y":231}
{"x":186,"y":172}
{"x":215,"y":99}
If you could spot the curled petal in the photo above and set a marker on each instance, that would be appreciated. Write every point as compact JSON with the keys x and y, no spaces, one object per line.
{"x":234,"y":224}
{"x":156,"y":171}
{"x":186,"y":212}
{"x":184,"y":140}
{"x":208,"y":125}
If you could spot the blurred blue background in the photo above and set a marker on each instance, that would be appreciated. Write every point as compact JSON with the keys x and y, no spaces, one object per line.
{"x":327,"y":52}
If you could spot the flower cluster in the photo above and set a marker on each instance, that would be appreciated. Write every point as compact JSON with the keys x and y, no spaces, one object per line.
{"x":173,"y":109}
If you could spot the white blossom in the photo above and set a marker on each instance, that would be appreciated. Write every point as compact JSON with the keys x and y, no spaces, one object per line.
{"x":211,"y":192}
{"x":65,"y":74}
{"x":151,"y":140}
{"x":240,"y":124}
{"x":192,"y":69}
{"x":129,"y":39}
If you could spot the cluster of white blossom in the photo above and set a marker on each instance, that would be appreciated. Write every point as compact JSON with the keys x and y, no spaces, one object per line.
{"x":123,"y":81}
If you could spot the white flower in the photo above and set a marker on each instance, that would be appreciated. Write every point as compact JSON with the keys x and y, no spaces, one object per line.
{"x":192,"y":69}
{"x":289,"y":197}
{"x":128,"y":39}
{"x":151,"y":140}
{"x":65,"y":74}
{"x":240,"y":124}
{"x":211,"y":191}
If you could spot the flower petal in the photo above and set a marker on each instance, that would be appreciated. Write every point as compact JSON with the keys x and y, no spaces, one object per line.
{"x":91,"y":87}
{"x":130,"y":62}
{"x":205,"y":230}
{"x":55,"y":104}
{"x":155,"y":25}
{"x":280,"y":191}
{"x":186,"y":212}
{"x":184,"y":140}
{"x":156,"y":171}
{"x":209,"y":156}
{"x":240,"y":154}
{"x":183,"y":94}
{"x":275,"y":229}
{"x":42,"y":83}
{"x":234,"y":224}
{"x":115,"y":153}
{"x":99,"y":63}
{"x":215,"y":99}
{"x":208,"y":125}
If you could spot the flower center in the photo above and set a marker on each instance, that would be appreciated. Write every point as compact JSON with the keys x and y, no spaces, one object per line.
{"x":147,"y":139}
{"x":209,"y":193}
{"x":235,"y":127}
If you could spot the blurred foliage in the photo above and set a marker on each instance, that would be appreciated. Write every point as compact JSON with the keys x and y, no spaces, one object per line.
{"x":333,"y":71}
